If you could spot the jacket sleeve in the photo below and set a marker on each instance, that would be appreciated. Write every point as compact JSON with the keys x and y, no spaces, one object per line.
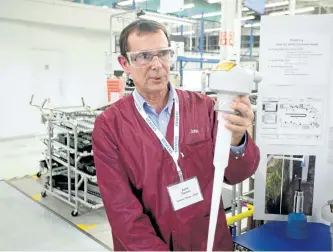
{"x":240,"y":167}
{"x":130,"y":226}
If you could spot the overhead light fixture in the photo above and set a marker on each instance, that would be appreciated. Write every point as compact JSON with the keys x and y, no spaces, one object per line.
{"x":165,"y":18}
{"x":276,"y":4}
{"x":193,"y":32}
{"x":252,"y":25}
{"x":213,"y":1}
{"x":184,"y":33}
{"x":248,"y":18}
{"x":302,"y":10}
{"x":245,"y":9}
{"x":130,"y":2}
{"x":186,"y":6}
{"x":189,"y":6}
{"x":212,"y":30}
{"x":209,"y":14}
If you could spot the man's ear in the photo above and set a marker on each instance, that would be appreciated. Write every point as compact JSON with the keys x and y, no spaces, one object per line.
{"x":124,"y":63}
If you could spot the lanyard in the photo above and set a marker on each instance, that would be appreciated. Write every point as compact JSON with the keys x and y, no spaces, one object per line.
{"x":174,"y":152}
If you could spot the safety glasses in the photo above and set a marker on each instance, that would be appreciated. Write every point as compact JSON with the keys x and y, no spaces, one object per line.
{"x":144,"y":58}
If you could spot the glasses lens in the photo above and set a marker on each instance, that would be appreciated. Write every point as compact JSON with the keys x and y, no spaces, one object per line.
{"x":144,"y":58}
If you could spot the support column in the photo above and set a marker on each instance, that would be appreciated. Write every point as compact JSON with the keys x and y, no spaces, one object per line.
{"x":292,"y":7}
{"x":238,"y":32}
{"x":228,"y":15}
{"x":202,"y":36}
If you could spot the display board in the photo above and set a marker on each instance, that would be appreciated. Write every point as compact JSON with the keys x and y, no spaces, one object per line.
{"x":294,"y":128}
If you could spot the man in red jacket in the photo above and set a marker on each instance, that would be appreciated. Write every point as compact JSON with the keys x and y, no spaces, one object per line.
{"x":154,"y":151}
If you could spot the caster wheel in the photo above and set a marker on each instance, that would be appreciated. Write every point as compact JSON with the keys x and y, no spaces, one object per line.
{"x":39,"y":174}
{"x":43,"y":194}
{"x":75,"y":213}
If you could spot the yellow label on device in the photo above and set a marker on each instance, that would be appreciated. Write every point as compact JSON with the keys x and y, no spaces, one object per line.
{"x":225,"y":66}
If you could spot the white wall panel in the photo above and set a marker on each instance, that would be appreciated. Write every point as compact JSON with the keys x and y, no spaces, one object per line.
{"x":53,"y":62}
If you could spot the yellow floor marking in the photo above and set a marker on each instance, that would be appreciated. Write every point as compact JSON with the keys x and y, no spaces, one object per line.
{"x":36,"y":197}
{"x":34,"y":177}
{"x":86,"y":227}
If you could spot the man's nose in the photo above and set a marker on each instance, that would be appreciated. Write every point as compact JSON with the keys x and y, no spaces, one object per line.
{"x":155,"y":62}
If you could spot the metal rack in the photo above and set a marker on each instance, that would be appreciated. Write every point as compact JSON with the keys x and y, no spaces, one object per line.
{"x":64,"y":154}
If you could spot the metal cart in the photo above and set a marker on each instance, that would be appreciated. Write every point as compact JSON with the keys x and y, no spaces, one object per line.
{"x":68,"y":178}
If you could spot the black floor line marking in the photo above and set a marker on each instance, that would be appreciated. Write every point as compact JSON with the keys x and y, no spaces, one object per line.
{"x":60,"y":216}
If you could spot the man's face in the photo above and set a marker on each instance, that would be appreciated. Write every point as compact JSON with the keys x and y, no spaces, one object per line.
{"x":149,"y":61}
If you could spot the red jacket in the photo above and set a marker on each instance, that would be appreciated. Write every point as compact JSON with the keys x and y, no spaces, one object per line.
{"x":133,"y":173}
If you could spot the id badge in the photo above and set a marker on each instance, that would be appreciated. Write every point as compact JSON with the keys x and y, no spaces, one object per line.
{"x":185,"y":193}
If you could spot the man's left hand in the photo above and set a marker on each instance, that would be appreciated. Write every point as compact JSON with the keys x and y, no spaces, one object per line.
{"x":238,"y":124}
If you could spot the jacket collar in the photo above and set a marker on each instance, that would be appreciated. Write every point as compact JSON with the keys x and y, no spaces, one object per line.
{"x":145,"y":105}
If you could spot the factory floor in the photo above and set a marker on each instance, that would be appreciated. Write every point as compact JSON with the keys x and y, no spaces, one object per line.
{"x":32,"y":222}
{"x":26,"y":225}
{"x":94,"y":223}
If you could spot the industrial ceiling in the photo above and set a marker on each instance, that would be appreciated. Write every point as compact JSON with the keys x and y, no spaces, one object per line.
{"x":197,"y":7}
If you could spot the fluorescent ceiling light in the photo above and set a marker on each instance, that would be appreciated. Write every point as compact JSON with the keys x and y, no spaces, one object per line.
{"x":189,"y":6}
{"x":167,"y":19}
{"x":186,"y":6}
{"x":302,"y":10}
{"x":184,"y":33}
{"x":130,"y":2}
{"x":193,"y":32}
{"x":277,"y":4}
{"x":212,"y":30}
{"x":252,"y":25}
{"x":269,"y":5}
{"x":209,"y":14}
{"x":248,"y":18}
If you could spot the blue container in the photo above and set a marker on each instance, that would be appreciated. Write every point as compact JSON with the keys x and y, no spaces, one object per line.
{"x":297,"y":226}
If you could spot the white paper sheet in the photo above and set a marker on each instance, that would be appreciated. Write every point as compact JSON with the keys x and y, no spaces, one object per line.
{"x":298,"y":59}
{"x":294,"y":116}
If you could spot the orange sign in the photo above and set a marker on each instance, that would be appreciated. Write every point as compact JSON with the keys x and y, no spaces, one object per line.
{"x":114,"y":86}
{"x":222,"y":38}
{"x":226,"y":39}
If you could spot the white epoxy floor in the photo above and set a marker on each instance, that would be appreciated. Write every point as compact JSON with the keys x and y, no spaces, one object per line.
{"x":26,"y":225}
{"x":20,"y":157}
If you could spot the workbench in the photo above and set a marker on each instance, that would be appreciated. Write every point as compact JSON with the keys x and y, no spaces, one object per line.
{"x":272,"y":237}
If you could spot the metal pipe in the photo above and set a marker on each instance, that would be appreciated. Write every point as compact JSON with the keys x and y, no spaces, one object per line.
{"x":239,"y":206}
{"x":202,"y":35}
{"x":251,"y":40}
{"x":281,"y":185}
{"x":111,"y":36}
{"x":238,"y":217}
{"x":291,"y":170}
{"x":76,"y":168}
{"x":111,"y":46}
{"x":233,"y":196}
{"x":305,"y":169}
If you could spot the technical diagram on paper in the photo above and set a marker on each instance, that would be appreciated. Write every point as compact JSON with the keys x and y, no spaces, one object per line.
{"x":292,"y":118}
